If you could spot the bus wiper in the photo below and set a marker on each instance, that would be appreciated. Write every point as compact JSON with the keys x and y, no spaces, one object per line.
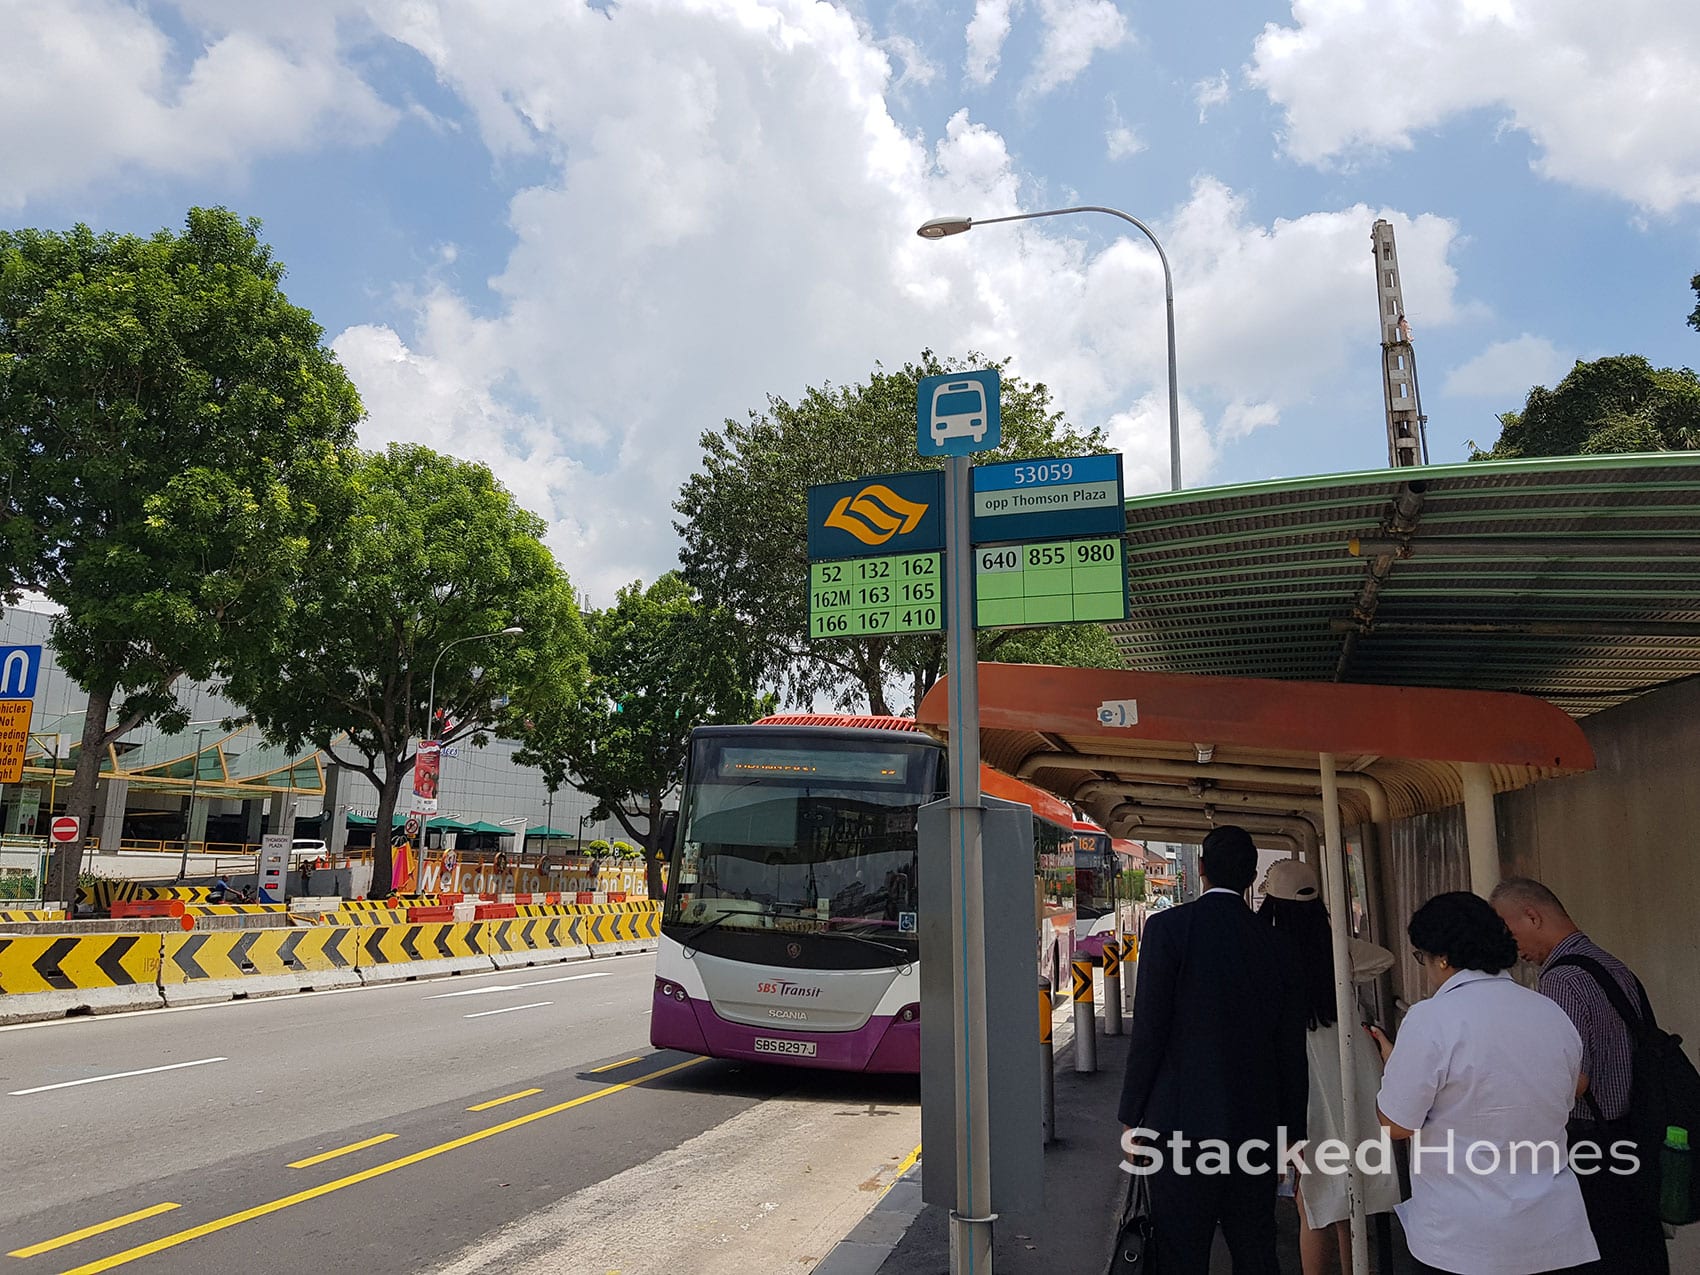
{"x":871,"y":942}
{"x":718,"y":919}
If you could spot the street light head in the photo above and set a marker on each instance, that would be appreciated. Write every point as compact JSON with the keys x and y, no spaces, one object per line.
{"x":513,"y":630}
{"x":939,"y":227}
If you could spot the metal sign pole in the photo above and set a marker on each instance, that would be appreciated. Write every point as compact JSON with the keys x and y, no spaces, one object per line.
{"x":971,"y":1220}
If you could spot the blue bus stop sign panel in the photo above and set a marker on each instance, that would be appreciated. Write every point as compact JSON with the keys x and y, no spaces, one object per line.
{"x":19,"y":667}
{"x":957,"y":415}
{"x":880,"y":515}
{"x":1049,"y":499}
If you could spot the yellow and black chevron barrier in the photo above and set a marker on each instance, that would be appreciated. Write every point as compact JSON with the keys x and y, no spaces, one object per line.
{"x":388,"y":953}
{"x":369,"y":916}
{"x":234,"y":909}
{"x":1082,"y":980}
{"x":11,"y":916}
{"x":48,"y":976}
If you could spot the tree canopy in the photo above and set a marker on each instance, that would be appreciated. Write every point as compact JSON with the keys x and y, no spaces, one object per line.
{"x":170,"y":438}
{"x":660,"y":664}
{"x":745,"y":519}
{"x":434,"y":552}
{"x":1617,"y":404}
{"x":1694,"y":315}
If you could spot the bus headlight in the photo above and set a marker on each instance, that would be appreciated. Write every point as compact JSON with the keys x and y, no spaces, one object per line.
{"x":909,"y":1013}
{"x":670,"y":990}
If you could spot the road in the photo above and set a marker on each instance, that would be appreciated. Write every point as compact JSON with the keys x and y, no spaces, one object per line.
{"x":516,"y":1121}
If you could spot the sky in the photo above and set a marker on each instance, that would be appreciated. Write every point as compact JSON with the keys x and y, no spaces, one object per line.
{"x":565,"y":237}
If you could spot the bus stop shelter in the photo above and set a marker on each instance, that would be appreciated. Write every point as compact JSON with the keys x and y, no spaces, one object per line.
{"x":1171,"y":755}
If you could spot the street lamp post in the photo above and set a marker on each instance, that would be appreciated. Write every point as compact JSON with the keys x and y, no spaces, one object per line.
{"x":430,"y":731}
{"x":189,"y":816}
{"x":939,"y":227}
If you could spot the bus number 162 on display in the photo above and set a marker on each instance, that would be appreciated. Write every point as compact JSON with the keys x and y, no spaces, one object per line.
{"x":858,"y":597}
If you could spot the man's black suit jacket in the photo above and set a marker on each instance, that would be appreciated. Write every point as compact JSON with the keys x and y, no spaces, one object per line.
{"x":1217,"y":1046}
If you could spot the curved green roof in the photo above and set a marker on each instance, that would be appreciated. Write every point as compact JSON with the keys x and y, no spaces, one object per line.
{"x":1573,"y":578}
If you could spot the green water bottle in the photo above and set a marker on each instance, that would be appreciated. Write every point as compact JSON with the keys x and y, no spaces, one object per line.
{"x":1675,"y":1165}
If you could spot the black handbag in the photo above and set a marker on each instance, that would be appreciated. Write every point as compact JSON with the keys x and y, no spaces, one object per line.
{"x":1135,"y":1251}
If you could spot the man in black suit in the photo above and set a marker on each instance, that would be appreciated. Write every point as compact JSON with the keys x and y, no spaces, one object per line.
{"x":1217,"y":1053}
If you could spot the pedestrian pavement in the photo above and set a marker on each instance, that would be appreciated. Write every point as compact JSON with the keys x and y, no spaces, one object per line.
{"x":1071,"y":1234}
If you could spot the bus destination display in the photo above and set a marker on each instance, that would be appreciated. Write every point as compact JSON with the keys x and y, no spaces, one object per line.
{"x":1050,"y":582}
{"x":859,"y":597}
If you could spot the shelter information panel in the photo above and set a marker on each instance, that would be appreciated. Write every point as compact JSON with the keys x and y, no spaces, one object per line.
{"x":859,"y":597}
{"x":1050,"y":582}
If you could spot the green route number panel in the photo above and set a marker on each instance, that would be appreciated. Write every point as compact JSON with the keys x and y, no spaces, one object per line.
{"x":1050,"y":582}
{"x":857,"y":597}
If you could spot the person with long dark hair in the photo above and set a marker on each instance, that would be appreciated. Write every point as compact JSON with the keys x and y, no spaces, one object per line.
{"x":1482,"y":1081}
{"x":1292,"y":905}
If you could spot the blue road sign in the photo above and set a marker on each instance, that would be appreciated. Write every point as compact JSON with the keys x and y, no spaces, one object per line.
{"x":19,"y":668}
{"x":883,"y":514}
{"x":1048,"y":499}
{"x":957,"y":415}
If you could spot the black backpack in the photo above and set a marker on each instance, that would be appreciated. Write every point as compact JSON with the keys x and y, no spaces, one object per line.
{"x":1664,"y":1086}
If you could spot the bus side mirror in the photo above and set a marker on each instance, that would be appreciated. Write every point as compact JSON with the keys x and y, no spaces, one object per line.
{"x":668,"y":831}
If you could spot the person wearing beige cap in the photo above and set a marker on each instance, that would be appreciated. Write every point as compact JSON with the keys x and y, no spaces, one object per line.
{"x":1292,"y":905}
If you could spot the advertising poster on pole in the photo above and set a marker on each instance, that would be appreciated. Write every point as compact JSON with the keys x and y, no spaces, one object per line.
{"x":427,"y":771}
{"x":29,"y":812}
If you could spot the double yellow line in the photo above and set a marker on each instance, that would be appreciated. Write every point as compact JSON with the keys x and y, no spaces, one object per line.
{"x":312,"y":1193}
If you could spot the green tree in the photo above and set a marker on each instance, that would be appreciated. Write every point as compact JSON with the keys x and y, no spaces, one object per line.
{"x":171,"y":436}
{"x":1694,"y":315}
{"x":434,"y":550}
{"x":661,"y":663}
{"x":745,"y":520}
{"x":1611,"y":405}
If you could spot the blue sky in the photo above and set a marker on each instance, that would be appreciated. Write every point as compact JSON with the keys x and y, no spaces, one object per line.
{"x":564,"y":238}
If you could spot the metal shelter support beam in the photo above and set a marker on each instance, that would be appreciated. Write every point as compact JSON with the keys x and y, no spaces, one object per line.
{"x":1299,"y":830}
{"x":1345,"y":1011}
{"x":1303,"y":779}
{"x":1480,"y":827}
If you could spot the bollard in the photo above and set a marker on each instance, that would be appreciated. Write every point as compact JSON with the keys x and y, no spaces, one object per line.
{"x":1085,"y":1024}
{"x":1130,"y":964}
{"x":1047,"y":1065}
{"x":1112,"y":986}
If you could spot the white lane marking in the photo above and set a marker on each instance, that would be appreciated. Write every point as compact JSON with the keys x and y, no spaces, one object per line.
{"x":510,"y":1009}
{"x":513,"y":987}
{"x":117,"y":1075}
{"x":90,"y":1022}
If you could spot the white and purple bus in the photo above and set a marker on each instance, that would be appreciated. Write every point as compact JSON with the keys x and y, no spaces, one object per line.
{"x":790,"y":929}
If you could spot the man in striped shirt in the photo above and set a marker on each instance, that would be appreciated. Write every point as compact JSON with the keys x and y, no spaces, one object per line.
{"x":1624,"y":1219}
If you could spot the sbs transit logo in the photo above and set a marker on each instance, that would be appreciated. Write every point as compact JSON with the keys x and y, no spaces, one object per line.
{"x":875,"y":514}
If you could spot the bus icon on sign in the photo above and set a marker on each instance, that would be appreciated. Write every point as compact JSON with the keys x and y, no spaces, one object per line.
{"x":957,"y":414}
{"x":959,"y":411}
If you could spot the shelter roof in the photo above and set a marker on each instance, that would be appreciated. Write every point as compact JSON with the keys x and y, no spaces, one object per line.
{"x":1252,"y":740}
{"x":1573,"y":578}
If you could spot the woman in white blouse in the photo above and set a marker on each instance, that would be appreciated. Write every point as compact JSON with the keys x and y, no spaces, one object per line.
{"x":1482,"y":1082}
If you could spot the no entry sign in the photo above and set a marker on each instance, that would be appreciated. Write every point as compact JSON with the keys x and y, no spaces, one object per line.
{"x":65,"y":828}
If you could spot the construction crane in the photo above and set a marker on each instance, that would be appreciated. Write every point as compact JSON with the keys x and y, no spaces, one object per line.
{"x":1407,"y":437}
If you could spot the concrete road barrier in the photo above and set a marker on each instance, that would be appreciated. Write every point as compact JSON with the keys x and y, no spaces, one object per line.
{"x":196,"y":968}
{"x":394,"y":953}
{"x":533,"y":941}
{"x":48,"y":976}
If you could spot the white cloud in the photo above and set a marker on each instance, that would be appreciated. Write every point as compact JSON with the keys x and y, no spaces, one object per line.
{"x":1606,"y":93}
{"x":1240,"y":418}
{"x":918,"y":69}
{"x":724,"y":207}
{"x":1075,"y":31}
{"x":1120,"y":139}
{"x":987,"y":30}
{"x":1509,"y":369}
{"x":91,"y":90}
{"x":731,"y":212}
{"x":1211,"y":93}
